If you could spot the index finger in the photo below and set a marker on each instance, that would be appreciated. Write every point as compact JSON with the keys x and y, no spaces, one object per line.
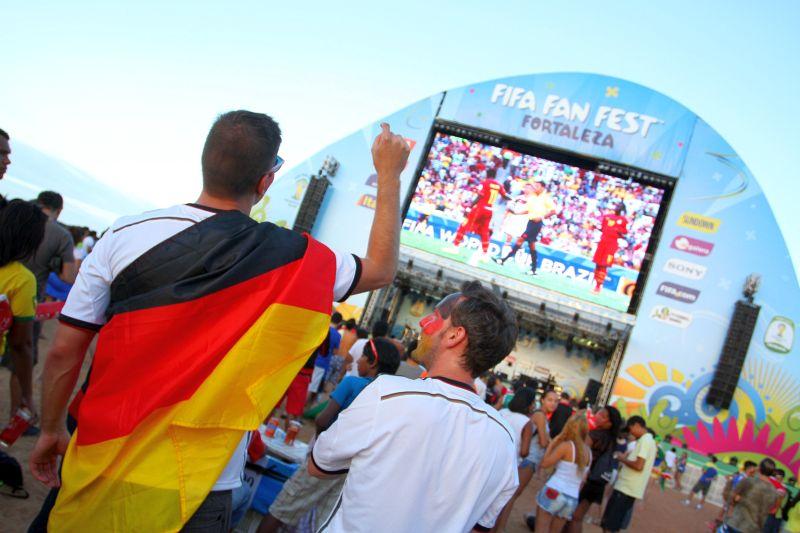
{"x":386,"y":129}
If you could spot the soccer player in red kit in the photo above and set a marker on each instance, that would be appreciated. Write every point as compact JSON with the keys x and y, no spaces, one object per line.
{"x":480,"y":216}
{"x":613,"y":226}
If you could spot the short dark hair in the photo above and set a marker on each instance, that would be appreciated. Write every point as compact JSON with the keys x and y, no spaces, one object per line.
{"x":21,"y":230}
{"x":241,"y":147}
{"x":564,"y":395}
{"x":50,"y":200}
{"x":361,"y":333}
{"x":522,"y":400}
{"x":380,"y":328}
{"x":490,"y":324}
{"x":350,"y":324}
{"x":714,"y":459}
{"x":767,"y":467}
{"x":780,"y":472}
{"x":388,"y":355}
{"x":3,"y":133}
{"x":749,"y":464}
{"x":636,"y":420}
{"x":336,"y":318}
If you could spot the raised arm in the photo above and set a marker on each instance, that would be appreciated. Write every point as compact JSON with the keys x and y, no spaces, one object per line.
{"x":378,"y":267}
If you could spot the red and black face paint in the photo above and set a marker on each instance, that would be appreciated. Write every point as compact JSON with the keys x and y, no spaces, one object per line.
{"x":434,"y":321}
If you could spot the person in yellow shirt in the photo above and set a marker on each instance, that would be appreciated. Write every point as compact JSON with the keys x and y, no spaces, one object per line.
{"x":21,"y":231}
{"x":539,"y":206}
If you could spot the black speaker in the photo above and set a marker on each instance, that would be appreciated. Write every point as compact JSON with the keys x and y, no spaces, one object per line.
{"x":309,"y":207}
{"x":737,"y":342}
{"x":592,"y":390}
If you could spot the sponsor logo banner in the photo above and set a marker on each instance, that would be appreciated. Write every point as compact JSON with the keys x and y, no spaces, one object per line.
{"x":699,"y":222}
{"x":692,"y":246}
{"x":780,"y":335}
{"x":678,"y":292}
{"x":685,"y":269}
{"x":671,"y":316}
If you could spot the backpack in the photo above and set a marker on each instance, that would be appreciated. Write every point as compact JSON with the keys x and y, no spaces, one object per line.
{"x":603,"y":468}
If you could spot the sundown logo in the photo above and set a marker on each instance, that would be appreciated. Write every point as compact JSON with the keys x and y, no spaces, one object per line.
{"x":699,"y":222}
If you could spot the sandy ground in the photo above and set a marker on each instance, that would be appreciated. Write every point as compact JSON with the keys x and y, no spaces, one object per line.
{"x":660,"y":512}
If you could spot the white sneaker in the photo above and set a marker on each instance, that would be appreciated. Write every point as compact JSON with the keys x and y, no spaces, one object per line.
{"x":686,"y":502}
{"x":699,"y":506}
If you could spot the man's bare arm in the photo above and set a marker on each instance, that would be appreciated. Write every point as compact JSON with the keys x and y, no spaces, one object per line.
{"x":58,"y":381}
{"x":378,"y":267}
{"x":60,"y":373}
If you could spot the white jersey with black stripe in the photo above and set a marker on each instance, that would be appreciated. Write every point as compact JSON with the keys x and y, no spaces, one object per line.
{"x":420,"y":455}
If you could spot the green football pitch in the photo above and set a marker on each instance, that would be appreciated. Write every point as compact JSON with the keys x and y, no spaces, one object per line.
{"x":546,"y":280}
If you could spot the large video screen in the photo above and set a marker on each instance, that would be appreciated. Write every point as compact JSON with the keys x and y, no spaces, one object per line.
{"x":548,"y":223}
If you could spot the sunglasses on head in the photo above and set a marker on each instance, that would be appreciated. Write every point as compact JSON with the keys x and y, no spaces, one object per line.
{"x":278,"y":164}
{"x":434,"y":322}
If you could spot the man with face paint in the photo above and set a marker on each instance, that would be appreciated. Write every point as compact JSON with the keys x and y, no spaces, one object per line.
{"x":428,"y":436}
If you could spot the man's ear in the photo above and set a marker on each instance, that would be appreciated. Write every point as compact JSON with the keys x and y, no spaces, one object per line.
{"x":454,"y":336}
{"x":264,"y":183}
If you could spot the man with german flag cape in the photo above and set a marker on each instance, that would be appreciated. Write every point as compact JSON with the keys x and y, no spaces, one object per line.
{"x":204,"y":318}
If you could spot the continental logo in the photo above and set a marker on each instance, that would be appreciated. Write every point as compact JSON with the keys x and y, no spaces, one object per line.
{"x":699,"y":222}
{"x":692,"y":246}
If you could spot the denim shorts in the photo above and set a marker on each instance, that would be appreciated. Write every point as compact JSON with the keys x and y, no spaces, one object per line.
{"x":556,"y":503}
{"x":527,"y":463}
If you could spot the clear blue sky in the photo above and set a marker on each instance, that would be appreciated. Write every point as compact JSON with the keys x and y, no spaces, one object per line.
{"x":127,"y":92}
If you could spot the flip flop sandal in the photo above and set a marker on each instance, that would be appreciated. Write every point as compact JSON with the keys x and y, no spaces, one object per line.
{"x":14,"y":492}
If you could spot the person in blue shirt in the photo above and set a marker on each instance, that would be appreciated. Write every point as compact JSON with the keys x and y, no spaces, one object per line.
{"x":303,"y":493}
{"x":704,"y":483}
{"x":324,"y":355}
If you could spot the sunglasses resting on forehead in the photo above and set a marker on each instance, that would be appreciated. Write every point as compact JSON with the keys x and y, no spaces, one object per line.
{"x":434,"y":322}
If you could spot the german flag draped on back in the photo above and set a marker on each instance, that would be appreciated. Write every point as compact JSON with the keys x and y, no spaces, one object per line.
{"x":206,"y":331}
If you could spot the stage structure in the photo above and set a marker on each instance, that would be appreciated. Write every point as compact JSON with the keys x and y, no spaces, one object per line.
{"x":619,"y":225}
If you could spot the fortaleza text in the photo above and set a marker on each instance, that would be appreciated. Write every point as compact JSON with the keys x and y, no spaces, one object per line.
{"x":566,"y":130}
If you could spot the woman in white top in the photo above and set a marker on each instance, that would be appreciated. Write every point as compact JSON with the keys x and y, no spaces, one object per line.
{"x":532,"y":434}
{"x":571,"y":456}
